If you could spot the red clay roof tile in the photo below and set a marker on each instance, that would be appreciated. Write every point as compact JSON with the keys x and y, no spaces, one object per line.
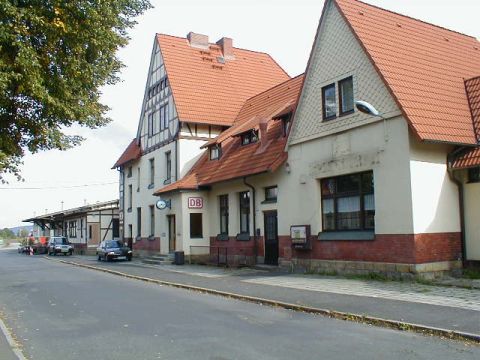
{"x":208,"y":91}
{"x":424,"y":65}
{"x":132,"y":152}
{"x":238,"y":161}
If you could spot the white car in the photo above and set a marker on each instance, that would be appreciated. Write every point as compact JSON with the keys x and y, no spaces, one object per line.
{"x":59,"y":245}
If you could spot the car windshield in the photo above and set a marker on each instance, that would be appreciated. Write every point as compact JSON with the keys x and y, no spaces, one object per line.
{"x":60,"y":241}
{"x":113,"y":244}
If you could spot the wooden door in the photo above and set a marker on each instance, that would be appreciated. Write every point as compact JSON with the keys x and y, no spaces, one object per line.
{"x":271,"y":238}
{"x":93,"y":233}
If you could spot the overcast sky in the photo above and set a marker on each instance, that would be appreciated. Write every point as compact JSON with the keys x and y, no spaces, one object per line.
{"x":283,"y":28}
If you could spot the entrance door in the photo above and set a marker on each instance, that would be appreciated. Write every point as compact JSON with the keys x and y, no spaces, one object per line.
{"x":271,"y":238}
{"x":171,"y":233}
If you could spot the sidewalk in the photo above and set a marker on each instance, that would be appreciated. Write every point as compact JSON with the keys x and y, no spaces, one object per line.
{"x":448,"y":308}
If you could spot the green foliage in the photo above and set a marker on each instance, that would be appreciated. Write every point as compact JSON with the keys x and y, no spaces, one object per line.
{"x":54,"y":57}
{"x":473,"y":274}
{"x":7,"y":234}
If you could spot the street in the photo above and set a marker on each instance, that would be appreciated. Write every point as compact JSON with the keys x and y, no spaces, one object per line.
{"x":57,"y":311}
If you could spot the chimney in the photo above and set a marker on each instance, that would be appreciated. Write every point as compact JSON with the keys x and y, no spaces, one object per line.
{"x":262,"y":133}
{"x":226,"y":44}
{"x":198,"y":40}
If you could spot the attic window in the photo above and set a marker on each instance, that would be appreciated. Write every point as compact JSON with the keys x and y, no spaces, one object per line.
{"x":286,"y":121}
{"x":215,"y":152}
{"x":249,"y":137}
{"x":474,"y":175}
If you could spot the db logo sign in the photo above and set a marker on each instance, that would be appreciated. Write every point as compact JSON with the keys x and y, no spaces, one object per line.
{"x":195,"y":203}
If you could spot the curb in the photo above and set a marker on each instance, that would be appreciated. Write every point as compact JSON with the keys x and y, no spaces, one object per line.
{"x":364,"y":319}
{"x":14,"y":345}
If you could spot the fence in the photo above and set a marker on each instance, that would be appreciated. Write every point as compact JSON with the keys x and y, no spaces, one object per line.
{"x":222,"y":256}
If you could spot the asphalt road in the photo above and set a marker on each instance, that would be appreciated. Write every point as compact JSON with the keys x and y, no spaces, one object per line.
{"x":62,"y":312}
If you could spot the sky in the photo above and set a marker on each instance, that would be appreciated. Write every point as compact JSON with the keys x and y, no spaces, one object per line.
{"x":283,"y":28}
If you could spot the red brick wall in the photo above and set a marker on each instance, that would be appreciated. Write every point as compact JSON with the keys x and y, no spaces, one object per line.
{"x":147,"y":245}
{"x":404,"y":248}
{"x":437,"y":247}
{"x":236,"y":247}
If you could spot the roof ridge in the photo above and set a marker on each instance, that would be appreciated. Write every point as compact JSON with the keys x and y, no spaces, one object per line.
{"x":416,"y":19}
{"x":235,"y":47}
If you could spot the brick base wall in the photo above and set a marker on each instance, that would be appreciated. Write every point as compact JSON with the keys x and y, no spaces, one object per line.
{"x":403,"y":248}
{"x":233,"y":252}
{"x":146,"y":246}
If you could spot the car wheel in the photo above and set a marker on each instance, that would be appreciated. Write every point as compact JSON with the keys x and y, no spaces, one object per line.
{"x":129,"y":258}
{"x":105,"y":258}
{"x":99,"y":258}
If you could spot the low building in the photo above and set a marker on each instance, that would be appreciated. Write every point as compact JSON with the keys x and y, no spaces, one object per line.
{"x":85,"y":226}
{"x":392,"y":190}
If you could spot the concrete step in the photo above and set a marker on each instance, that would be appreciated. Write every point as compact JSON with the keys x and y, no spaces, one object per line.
{"x":157,"y":261}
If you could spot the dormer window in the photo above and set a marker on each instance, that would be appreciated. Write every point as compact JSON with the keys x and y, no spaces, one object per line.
{"x":215,"y":152}
{"x":249,"y":137}
{"x":286,"y":121}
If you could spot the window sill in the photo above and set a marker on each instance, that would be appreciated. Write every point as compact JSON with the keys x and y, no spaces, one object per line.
{"x":129,"y":210}
{"x":222,"y":237}
{"x":151,"y":237}
{"x":150,"y":186}
{"x":138,"y":238}
{"x":196,"y":237}
{"x":243,"y":237}
{"x":138,"y":189}
{"x":167,"y":181}
{"x":329,"y":118}
{"x":272,"y":201}
{"x":346,"y":236}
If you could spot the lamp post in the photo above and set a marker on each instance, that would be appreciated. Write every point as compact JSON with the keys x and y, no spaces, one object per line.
{"x":369,"y":109}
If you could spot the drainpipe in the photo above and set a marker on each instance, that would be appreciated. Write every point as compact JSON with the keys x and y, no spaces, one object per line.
{"x":461,"y":201}
{"x":255,"y":249}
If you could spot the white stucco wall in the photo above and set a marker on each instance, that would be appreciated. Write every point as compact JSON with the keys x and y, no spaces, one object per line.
{"x":435,"y":204}
{"x":472,"y":220}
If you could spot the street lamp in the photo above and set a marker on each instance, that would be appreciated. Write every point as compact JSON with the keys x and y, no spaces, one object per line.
{"x":369,"y":109}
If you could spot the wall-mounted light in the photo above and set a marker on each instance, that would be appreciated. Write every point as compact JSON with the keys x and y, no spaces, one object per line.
{"x":369,"y":109}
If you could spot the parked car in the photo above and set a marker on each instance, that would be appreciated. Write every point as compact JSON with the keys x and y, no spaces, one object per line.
{"x":59,"y":245}
{"x":113,"y":249}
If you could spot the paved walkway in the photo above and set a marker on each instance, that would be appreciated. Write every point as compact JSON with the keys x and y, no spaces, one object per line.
{"x":403,"y":291}
{"x":434,"y":306}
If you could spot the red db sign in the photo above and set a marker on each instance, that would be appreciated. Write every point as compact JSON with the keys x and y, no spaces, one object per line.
{"x":195,"y":203}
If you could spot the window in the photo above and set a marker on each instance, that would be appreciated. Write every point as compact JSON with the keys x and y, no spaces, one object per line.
{"x":130,"y":198}
{"x":150,"y":124}
{"x":90,"y":232}
{"x":329,"y":102}
{"x":249,"y":137}
{"x":271,"y":193}
{"x":139,"y":222}
{"x":346,"y":96}
{"x":138,"y":179}
{"x":474,"y":175}
{"x":130,"y":231}
{"x":129,"y":172}
{"x":196,"y":226}
{"x":72,"y":229}
{"x":81,"y":228}
{"x":286,"y":121}
{"x":164,"y":117}
{"x":152,"y":173}
{"x":168,"y":162}
{"x":348,"y":202}
{"x":116,"y":228}
{"x":215,"y":152}
{"x":152,"y":220}
{"x":223,"y":214}
{"x":245,"y":212}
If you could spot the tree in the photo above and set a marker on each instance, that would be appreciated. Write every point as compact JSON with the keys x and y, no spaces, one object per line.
{"x":55,"y":55}
{"x":7,"y":234}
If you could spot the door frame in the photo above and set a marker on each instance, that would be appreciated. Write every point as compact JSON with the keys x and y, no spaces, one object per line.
{"x":172,"y":236}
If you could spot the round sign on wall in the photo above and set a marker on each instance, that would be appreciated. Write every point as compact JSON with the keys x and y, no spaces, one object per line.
{"x":161,"y":204}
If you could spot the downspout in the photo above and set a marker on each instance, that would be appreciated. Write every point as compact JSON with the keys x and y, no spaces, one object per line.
{"x":461,"y":202}
{"x":255,"y":248}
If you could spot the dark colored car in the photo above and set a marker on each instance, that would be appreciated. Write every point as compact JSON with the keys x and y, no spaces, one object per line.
{"x":59,"y":245}
{"x":113,"y":249}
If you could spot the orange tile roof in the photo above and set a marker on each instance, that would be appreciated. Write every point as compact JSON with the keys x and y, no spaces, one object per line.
{"x":132,"y":152}
{"x":208,"y":91}
{"x":467,"y":160}
{"x":237,"y":161}
{"x":472,"y":87}
{"x":423,"y":65}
